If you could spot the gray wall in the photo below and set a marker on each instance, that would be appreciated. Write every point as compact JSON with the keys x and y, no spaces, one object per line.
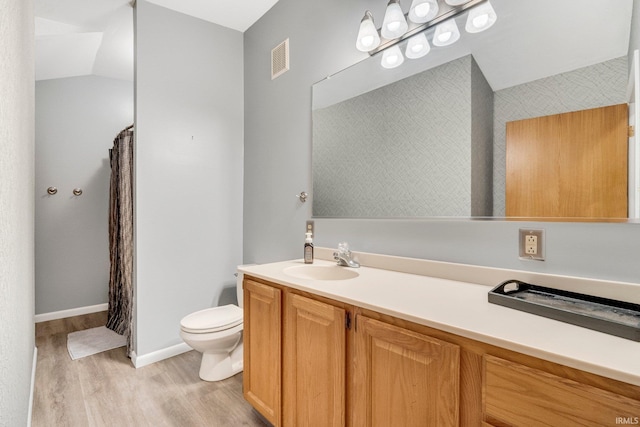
{"x":16,"y":210}
{"x":590,"y":87}
{"x":481,"y":143}
{"x":188,"y":208}
{"x":76,"y":121}
{"x":278,"y":166}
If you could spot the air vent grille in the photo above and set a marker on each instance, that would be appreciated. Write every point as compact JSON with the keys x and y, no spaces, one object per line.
{"x":280,"y":59}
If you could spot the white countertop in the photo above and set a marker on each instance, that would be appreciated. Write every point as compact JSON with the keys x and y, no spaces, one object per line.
{"x":462,"y":308}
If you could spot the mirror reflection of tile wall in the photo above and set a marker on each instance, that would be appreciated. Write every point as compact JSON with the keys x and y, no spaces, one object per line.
{"x":415,"y":147}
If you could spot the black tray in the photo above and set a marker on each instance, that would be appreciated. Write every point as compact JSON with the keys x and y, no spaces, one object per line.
{"x":612,"y":317}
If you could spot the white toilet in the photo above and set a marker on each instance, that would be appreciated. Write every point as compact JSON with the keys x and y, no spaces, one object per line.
{"x":217,"y":333}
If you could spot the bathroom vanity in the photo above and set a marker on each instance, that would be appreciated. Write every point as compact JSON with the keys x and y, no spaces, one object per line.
{"x":423,"y":347}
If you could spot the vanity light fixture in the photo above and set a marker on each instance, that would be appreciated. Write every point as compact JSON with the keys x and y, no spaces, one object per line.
{"x":422,"y":11}
{"x":480,"y":18}
{"x":422,"y":16}
{"x":392,"y":57}
{"x":417,"y":46}
{"x":394,"y":24}
{"x":368,"y":38}
{"x":446,"y":33}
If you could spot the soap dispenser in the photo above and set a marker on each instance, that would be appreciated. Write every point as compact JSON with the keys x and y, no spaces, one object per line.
{"x":308,"y":249}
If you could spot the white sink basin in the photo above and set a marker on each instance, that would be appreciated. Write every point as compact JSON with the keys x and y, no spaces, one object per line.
{"x":321,"y":272}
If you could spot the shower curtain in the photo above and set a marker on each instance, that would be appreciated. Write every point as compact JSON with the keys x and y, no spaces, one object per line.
{"x":120,"y":313}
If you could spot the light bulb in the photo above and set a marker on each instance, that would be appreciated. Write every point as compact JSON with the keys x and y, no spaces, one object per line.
{"x":368,"y":38}
{"x":417,"y":47}
{"x":480,"y":18}
{"x":480,"y":21}
{"x":394,"y":24}
{"x":367,"y":41}
{"x":423,"y":10}
{"x":446,"y":33}
{"x":392,"y":57}
{"x":444,"y":37}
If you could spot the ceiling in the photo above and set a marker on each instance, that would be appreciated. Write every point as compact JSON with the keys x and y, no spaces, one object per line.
{"x":228,"y":13}
{"x":95,"y":37}
{"x":83,"y":37}
{"x":536,"y":39}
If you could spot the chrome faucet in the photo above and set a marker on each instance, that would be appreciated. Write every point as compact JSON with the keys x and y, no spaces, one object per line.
{"x":343,"y":256}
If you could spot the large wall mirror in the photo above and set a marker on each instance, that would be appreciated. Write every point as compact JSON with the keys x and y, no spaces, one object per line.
{"x":429,"y":139}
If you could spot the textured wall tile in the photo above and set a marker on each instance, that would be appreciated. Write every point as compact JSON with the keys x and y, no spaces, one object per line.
{"x":403,"y":150}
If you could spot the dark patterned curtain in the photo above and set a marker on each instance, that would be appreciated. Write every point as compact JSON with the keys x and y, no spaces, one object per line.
{"x":119,"y":317}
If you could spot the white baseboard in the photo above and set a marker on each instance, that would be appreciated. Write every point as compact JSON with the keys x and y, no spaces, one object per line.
{"x":70,"y":313}
{"x":156,"y":356}
{"x":33,"y":384}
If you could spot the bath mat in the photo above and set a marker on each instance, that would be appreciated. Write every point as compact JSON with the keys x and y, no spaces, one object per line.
{"x":91,"y":341}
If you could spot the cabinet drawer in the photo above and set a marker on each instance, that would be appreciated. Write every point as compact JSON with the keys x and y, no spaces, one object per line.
{"x":517,"y":395}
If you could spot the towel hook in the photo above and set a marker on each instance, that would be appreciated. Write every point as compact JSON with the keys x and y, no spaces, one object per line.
{"x":77,"y":191}
{"x":52,"y":190}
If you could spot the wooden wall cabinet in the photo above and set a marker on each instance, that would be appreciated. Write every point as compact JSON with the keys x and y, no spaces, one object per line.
{"x":311,"y":361}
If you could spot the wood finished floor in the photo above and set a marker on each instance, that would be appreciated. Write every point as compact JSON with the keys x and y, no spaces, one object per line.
{"x":106,"y":390}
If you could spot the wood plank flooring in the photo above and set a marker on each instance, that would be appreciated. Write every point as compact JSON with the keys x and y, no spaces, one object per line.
{"x":106,"y":390}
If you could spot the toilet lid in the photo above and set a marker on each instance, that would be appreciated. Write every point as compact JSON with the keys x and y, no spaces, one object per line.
{"x":212,"y":319}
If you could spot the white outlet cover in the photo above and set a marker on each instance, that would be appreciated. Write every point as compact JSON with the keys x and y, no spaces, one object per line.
{"x":531,"y":244}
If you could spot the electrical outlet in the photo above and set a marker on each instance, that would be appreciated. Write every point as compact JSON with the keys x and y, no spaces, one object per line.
{"x":531,"y":244}
{"x":310,"y":228}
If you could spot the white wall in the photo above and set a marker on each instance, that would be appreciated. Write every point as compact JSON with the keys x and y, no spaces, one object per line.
{"x":76,"y":121}
{"x":16,"y":210}
{"x":634,"y":40}
{"x":278,"y":166}
{"x":189,"y":150}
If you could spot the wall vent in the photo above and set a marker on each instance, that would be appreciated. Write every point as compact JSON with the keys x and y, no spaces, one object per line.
{"x":280,"y":59}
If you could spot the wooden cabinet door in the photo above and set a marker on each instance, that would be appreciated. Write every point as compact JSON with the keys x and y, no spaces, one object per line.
{"x":403,"y":378}
{"x":314,"y":363}
{"x":569,"y":165}
{"x":262,"y":343}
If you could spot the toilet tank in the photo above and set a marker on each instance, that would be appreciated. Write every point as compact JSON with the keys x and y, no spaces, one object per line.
{"x":240,"y":277}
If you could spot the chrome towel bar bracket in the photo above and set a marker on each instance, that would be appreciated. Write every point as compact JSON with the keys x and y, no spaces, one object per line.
{"x":302,"y":196}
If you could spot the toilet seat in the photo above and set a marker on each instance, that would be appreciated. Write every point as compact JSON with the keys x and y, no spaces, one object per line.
{"x":213,"y":319}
